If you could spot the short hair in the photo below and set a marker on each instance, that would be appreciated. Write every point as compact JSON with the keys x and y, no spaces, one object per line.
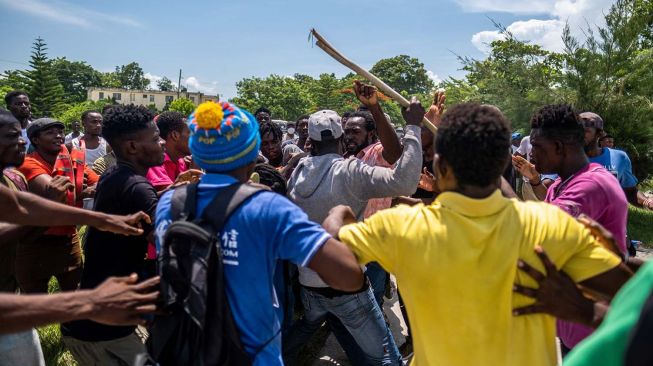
{"x":347,"y":114}
{"x":607,"y":136}
{"x":124,"y":120}
{"x":559,"y":121}
{"x":273,"y":128}
{"x":9,"y":97}
{"x":262,"y":109}
{"x":86,"y":113}
{"x":170,"y":121}
{"x":369,"y":120}
{"x":474,"y":140}
{"x":305,"y":116}
{"x":271,"y":178}
{"x":7,"y":117}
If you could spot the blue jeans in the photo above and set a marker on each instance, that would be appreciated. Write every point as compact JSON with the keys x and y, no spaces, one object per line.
{"x":378,"y":278}
{"x":361,"y":316}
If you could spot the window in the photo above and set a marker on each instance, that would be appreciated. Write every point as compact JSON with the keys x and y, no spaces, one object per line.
{"x":101,"y":95}
{"x":169,"y":98}
{"x":144,"y":96}
{"x":152,"y":98}
{"x":132,"y":97}
{"x":192,"y":99}
{"x":117,"y":96}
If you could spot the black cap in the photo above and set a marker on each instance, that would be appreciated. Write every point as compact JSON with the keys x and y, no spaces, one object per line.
{"x":42,"y":124}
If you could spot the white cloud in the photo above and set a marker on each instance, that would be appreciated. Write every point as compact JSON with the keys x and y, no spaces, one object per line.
{"x":66,"y":13}
{"x":507,"y":6}
{"x":434,"y":77}
{"x":194,"y":84}
{"x":153,"y":79}
{"x":544,"y":32}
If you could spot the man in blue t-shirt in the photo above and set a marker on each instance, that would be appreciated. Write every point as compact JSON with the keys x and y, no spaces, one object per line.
{"x":615,"y":161}
{"x":225,"y":143}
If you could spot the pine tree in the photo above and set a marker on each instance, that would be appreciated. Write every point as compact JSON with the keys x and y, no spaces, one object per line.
{"x":44,"y":89}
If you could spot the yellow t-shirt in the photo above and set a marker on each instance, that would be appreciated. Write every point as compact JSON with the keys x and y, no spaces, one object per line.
{"x":456,"y":261}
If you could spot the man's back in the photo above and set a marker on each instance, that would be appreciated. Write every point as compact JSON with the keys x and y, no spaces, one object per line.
{"x":618,"y":163}
{"x":456,"y":263}
{"x":265,"y":228}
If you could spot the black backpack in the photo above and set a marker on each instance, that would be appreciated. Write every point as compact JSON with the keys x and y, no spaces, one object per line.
{"x":200,"y":328}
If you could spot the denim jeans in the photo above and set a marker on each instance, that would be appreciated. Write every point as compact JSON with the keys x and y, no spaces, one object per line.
{"x":378,"y":278}
{"x":361,"y":316}
{"x":21,"y":348}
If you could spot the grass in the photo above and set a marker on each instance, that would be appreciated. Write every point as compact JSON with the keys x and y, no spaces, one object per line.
{"x":640,"y":225}
{"x":54,"y":350}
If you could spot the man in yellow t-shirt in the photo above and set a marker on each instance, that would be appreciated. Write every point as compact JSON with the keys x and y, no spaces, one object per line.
{"x":456,"y":259}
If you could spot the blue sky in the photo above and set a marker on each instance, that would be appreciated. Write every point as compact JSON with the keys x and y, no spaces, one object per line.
{"x":218,"y":43}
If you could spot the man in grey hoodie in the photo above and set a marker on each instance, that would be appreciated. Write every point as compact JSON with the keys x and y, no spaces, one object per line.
{"x":324,"y":180}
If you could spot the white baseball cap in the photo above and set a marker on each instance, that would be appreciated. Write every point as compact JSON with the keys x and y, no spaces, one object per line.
{"x":324,"y":124}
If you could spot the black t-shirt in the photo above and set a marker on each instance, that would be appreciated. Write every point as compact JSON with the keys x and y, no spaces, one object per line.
{"x":120,"y":191}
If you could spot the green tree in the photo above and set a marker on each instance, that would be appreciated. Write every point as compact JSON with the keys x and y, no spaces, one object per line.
{"x":74,"y":111}
{"x":286,"y":97}
{"x":12,"y":80}
{"x":110,"y":80}
{"x":404,"y":74}
{"x":182,"y":105}
{"x":75,"y":77}
{"x":165,"y":84}
{"x":44,"y":89}
{"x":131,"y":76}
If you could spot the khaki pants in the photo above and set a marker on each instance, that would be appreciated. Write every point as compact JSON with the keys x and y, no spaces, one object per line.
{"x":118,"y":352}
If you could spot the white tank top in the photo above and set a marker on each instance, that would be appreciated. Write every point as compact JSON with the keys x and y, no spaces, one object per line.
{"x":92,"y":154}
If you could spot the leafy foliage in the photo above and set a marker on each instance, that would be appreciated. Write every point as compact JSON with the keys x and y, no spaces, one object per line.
{"x":165,"y":84}
{"x":182,"y":105}
{"x":404,"y":74}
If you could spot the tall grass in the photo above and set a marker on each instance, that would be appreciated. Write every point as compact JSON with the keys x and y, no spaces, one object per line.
{"x":54,"y":350}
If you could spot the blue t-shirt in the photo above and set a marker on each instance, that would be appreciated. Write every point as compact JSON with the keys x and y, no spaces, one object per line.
{"x":618,"y":163}
{"x":267,"y":227}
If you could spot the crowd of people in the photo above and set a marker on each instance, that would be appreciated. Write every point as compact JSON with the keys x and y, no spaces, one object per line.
{"x":232,"y":242}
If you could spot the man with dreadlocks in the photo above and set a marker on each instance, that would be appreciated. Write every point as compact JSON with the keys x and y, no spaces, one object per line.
{"x":271,"y":138}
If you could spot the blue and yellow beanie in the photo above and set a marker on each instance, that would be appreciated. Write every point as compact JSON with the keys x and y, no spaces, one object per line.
{"x":223,"y":137}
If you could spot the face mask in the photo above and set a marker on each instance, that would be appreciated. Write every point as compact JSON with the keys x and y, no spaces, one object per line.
{"x":291,"y":131}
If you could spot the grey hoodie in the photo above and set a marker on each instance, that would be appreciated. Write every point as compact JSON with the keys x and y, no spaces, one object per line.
{"x":320,"y":183}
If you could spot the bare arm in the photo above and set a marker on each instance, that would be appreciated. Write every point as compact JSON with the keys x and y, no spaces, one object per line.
{"x":29,"y":209}
{"x":117,"y":301}
{"x":392,"y":148}
{"x":337,"y":266}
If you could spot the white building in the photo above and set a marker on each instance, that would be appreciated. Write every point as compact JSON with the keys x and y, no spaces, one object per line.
{"x":145,"y":97}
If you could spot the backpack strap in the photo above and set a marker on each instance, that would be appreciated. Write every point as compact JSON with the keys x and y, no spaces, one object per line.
{"x":225,"y":203}
{"x":184,"y":202}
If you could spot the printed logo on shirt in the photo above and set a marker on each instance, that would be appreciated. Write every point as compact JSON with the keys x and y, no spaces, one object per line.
{"x":570,"y":207}
{"x":229,"y":244}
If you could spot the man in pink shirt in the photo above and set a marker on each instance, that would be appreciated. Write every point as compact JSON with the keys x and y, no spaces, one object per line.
{"x":173,"y":129}
{"x":557,"y":136}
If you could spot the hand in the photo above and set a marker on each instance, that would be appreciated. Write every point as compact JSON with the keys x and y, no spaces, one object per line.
{"x":345,"y":213}
{"x":434,"y":114}
{"x":525,"y":168}
{"x":426,"y":181}
{"x":294,"y":160}
{"x":125,"y":225}
{"x":557,"y":294}
{"x":189,"y":176}
{"x":58,"y":187}
{"x":88,"y":192}
{"x":414,"y":114}
{"x":601,"y":234}
{"x":121,"y":301}
{"x":366,"y":94}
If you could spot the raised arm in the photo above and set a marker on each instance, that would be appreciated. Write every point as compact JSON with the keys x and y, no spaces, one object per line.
{"x":367,"y":94}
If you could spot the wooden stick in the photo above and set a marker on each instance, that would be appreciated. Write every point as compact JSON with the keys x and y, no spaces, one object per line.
{"x":387,"y":90}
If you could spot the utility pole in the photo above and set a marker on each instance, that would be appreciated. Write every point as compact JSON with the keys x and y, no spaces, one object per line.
{"x":179,"y":84}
